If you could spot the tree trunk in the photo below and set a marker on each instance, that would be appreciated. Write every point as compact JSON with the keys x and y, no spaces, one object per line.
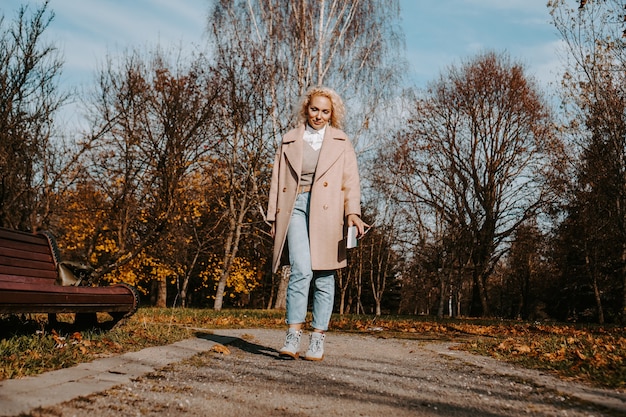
{"x":183,"y":294}
{"x":161,"y":293}
{"x":342,"y":278}
{"x":598,"y":298}
{"x":442,"y":296}
{"x":623,"y":272}
{"x":230,"y":248}
{"x":482,"y":288}
{"x":593,"y":275}
{"x":480,"y":304}
{"x":185,"y":285}
{"x":281,"y":294}
{"x":359,"y":290}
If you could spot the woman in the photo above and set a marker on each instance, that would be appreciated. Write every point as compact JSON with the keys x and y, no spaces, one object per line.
{"x":314,"y":194}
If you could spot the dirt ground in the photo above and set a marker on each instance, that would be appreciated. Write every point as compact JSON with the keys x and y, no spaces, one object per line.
{"x":360,"y":376}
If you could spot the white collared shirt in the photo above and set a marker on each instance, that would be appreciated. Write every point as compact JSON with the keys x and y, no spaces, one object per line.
{"x":314,"y":137}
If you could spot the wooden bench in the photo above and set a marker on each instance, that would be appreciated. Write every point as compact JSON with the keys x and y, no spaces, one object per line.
{"x":30,"y":282}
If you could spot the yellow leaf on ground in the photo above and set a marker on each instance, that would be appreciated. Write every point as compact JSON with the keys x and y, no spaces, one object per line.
{"x":220,"y":349}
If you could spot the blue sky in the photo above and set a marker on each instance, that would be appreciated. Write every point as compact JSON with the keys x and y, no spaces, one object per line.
{"x":438,"y":32}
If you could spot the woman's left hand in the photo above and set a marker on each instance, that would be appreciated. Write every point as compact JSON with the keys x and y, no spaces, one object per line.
{"x":355,"y":220}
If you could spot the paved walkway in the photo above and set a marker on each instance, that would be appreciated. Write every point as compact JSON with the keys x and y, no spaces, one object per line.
{"x":361,"y":375}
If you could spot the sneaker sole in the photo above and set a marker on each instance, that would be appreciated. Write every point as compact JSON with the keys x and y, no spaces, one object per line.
{"x":288,"y":355}
{"x":310,"y":358}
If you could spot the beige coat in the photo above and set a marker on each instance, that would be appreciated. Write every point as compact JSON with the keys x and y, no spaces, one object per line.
{"x":335,"y":193}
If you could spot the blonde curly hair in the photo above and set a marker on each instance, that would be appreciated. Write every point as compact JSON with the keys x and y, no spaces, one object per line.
{"x":338,"y":110}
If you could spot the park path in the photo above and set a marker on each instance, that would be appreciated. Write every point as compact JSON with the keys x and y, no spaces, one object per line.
{"x":362,"y":375}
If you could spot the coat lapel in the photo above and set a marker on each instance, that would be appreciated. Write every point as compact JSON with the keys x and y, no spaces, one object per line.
{"x":332,"y":148}
{"x":293,"y":149}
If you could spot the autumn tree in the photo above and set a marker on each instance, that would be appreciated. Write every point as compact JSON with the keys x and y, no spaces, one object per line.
{"x":30,"y":167}
{"x":473,"y":155}
{"x":152,"y":128}
{"x":594,"y":101}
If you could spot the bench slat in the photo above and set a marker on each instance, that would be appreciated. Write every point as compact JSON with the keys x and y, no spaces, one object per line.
{"x":26,"y":258}
{"x":22,"y":275}
{"x":16,"y":235}
{"x":24,"y":241}
{"x":12,"y":252}
{"x":27,"y":280}
{"x":20,"y":297}
{"x":63,"y":308}
{"x":26,"y":264}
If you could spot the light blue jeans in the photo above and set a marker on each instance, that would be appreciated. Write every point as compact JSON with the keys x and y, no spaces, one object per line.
{"x":302,"y":273}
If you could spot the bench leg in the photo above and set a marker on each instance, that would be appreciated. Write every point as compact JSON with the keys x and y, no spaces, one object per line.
{"x":85,"y":319}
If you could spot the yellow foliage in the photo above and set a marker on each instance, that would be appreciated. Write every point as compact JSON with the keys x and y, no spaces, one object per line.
{"x":243,"y":277}
{"x":141,"y":270}
{"x":89,"y":232}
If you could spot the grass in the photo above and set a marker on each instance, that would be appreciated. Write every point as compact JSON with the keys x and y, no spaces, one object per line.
{"x":593,"y":354}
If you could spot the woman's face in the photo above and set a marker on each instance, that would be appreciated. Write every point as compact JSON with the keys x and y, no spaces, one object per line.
{"x":319,"y":112}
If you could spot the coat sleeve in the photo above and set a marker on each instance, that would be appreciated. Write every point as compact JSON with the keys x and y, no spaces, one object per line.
{"x":351,"y":183}
{"x":273,"y":196}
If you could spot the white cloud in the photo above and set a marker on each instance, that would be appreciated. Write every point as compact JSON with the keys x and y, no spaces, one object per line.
{"x":88,"y":30}
{"x":528,"y":6}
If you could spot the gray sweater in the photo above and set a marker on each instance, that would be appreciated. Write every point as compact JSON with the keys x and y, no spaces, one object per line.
{"x":309,"y":163}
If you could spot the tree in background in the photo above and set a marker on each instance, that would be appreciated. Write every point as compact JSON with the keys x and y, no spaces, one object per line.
{"x":29,"y":98}
{"x":593,"y":235}
{"x":527,"y":275}
{"x":152,"y":123}
{"x":243,"y":134}
{"x":474,"y":155}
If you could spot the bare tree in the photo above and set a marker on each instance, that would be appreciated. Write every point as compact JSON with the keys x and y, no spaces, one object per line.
{"x":246,"y":122}
{"x":474,"y":153}
{"x":29,"y":98}
{"x":381,"y":259}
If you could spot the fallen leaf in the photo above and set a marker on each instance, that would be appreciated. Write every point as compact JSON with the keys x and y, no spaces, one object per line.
{"x":220,"y":349}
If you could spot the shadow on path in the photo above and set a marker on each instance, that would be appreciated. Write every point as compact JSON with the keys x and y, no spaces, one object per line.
{"x":240,"y":343}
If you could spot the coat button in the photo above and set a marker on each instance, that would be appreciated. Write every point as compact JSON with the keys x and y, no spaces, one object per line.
{"x":284,"y":189}
{"x":277,"y":210}
{"x":325,"y":184}
{"x":325,"y":206}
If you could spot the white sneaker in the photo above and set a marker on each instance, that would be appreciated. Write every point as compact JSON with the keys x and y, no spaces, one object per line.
{"x":292,"y":344}
{"x":316,"y":347}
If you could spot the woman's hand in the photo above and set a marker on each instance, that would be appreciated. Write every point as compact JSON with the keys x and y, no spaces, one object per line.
{"x":355,"y":220}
